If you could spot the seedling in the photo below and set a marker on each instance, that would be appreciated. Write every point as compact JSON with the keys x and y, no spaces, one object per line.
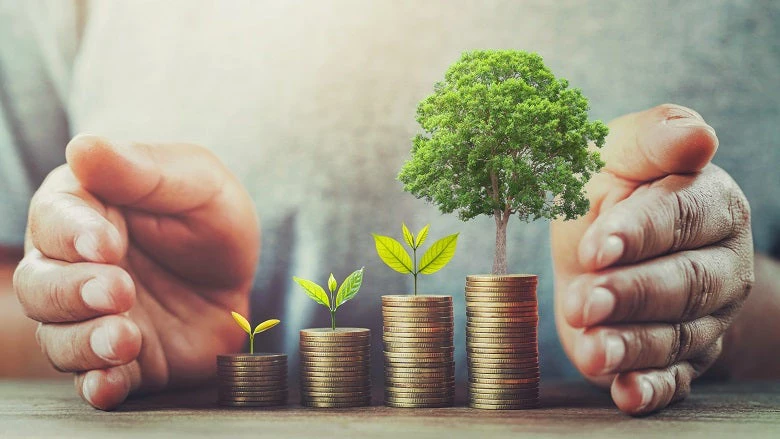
{"x":396,"y":257}
{"x":244,"y":324}
{"x":504,"y":137}
{"x":348,"y":289}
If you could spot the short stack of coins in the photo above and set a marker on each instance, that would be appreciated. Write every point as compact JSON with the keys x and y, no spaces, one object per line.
{"x":335,"y":367}
{"x":501,"y":341}
{"x":252,"y":380}
{"x":419,"y":362}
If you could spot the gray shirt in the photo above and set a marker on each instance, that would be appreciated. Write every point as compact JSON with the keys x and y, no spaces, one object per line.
{"x":311,"y":105}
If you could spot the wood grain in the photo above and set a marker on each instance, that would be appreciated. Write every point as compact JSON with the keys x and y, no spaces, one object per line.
{"x":45,"y":409}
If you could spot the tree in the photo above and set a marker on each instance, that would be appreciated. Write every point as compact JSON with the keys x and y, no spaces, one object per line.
{"x":503,"y":137}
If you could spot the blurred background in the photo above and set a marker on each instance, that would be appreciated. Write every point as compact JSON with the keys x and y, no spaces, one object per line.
{"x":312,"y":105}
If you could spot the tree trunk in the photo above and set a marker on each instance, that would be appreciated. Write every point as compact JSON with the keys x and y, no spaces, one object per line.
{"x":499,"y":261}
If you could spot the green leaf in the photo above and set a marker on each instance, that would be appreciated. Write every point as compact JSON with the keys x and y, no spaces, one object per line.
{"x":266,"y":325}
{"x":332,"y":283}
{"x":408,"y":237}
{"x":393,"y":254}
{"x":350,"y":287}
{"x":421,"y":236}
{"x":242,"y":322}
{"x":440,"y":253}
{"x":314,"y":291}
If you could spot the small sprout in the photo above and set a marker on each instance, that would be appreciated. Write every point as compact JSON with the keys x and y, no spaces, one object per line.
{"x":244,"y":324}
{"x":396,"y":257}
{"x":348,"y":289}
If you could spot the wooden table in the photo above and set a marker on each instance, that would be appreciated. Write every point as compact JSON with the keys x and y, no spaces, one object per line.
{"x":733,"y":410}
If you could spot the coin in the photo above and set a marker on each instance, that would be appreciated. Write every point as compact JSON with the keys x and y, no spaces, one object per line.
{"x":505,"y":381}
{"x":418,"y":384}
{"x":418,"y":355}
{"x":321,"y":351}
{"x":307,"y":399}
{"x":337,"y":361}
{"x":334,"y":380}
{"x":425,"y":299}
{"x":485,"y":406}
{"x":424,"y":331}
{"x":412,"y":400}
{"x":327,"y":333}
{"x":334,"y":405}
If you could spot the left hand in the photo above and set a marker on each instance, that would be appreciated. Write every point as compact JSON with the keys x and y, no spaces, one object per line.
{"x":651,"y":278}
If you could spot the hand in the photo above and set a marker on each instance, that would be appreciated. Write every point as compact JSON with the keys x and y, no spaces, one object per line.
{"x":134,"y":256}
{"x":650,"y":279}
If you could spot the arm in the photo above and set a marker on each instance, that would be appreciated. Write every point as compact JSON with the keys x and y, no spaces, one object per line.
{"x":27,"y":360}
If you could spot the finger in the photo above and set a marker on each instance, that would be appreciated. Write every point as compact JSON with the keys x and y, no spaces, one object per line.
{"x":604,"y":350}
{"x":160,"y":178}
{"x":95,"y":344}
{"x":680,"y":287}
{"x":52,"y":291}
{"x":667,"y":139}
{"x":106,"y":389}
{"x":645,"y":391}
{"x":675,"y":213}
{"x":69,"y":224}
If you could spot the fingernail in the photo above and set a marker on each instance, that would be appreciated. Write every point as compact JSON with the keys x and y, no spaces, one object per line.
{"x":101,"y":343}
{"x":646,"y":390}
{"x":614,"y":349}
{"x":96,"y":296}
{"x":690,"y":122}
{"x":598,"y":306}
{"x":87,"y":246}
{"x":610,"y":251}
{"x":89,"y":387}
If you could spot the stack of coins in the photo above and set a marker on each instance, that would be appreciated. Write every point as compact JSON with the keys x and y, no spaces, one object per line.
{"x":252,"y":380}
{"x":419,"y":363}
{"x":501,"y":341}
{"x":335,"y":367}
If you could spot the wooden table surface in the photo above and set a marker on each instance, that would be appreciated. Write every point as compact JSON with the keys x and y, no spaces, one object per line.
{"x":45,"y":409}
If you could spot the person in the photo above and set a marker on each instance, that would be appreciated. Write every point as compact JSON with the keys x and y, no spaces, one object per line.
{"x":145,"y":235}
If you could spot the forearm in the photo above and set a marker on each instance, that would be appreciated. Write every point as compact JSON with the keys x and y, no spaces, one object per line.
{"x":751,"y":346}
{"x":23,"y":358}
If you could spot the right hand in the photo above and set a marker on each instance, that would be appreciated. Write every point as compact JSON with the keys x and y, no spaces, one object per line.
{"x":135,"y":255}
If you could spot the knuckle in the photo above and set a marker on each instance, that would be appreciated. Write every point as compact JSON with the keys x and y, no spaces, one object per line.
{"x":702,"y":285}
{"x":681,"y":383}
{"x":684,"y":335}
{"x":688,"y":220}
{"x":22,"y":274}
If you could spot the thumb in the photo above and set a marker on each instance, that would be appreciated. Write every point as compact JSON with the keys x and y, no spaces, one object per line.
{"x":640,"y":147}
{"x":157,"y":178}
{"x":667,"y":139}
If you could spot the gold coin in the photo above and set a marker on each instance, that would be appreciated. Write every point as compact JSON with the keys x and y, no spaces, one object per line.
{"x":418,"y":405}
{"x":518,"y":277}
{"x":335,"y":405}
{"x":448,"y":368}
{"x":258,"y":371}
{"x":418,"y":349}
{"x":425,"y":330}
{"x":418,"y":391}
{"x":502,"y":363}
{"x":518,"y":294}
{"x":504,"y":385}
{"x":424,"y":299}
{"x":505,"y":381}
{"x":306,"y":399}
{"x":417,"y":355}
{"x":423,"y":325}
{"x":398,"y":400}
{"x":341,"y":361}
{"x":413,"y":347}
{"x":430,"y":384}
{"x":530,"y":354}
{"x":417,"y":321}
{"x":252,"y":357}
{"x":521,"y":406}
{"x":327,"y":333}
{"x":493,"y":374}
{"x":321,"y":351}
{"x":334,"y":380}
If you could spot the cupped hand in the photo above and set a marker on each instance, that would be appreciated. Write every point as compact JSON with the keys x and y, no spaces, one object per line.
{"x":134,"y":256}
{"x":650,"y":279}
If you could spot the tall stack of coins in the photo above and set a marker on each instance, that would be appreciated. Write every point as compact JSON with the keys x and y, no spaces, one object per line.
{"x":501,"y":341}
{"x":419,"y":363}
{"x":252,"y":380}
{"x":335,"y":367}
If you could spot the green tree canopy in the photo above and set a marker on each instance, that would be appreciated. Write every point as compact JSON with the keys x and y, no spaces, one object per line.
{"x":503,"y":137}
